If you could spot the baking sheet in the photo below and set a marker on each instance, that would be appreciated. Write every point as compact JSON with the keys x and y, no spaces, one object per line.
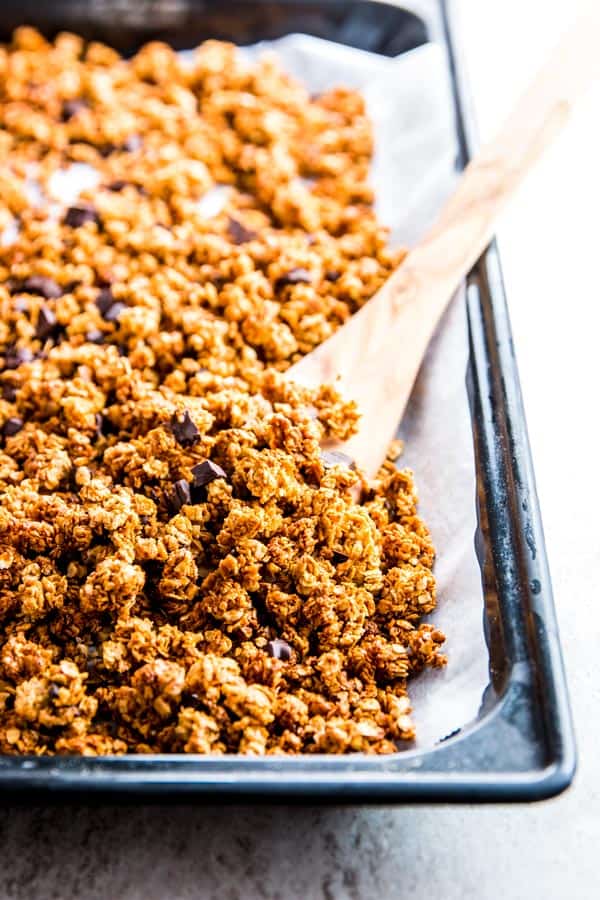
{"x":410,"y":103}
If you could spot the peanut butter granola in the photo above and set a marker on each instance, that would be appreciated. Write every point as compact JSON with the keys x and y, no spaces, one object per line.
{"x":183,"y":568}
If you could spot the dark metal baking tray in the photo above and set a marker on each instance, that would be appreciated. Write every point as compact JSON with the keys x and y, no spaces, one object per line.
{"x":521,"y":747}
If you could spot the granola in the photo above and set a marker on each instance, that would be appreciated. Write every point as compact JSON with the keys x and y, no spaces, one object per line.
{"x":183,"y":568}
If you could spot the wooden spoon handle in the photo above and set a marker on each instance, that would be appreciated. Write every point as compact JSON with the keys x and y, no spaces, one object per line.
{"x":375,"y":357}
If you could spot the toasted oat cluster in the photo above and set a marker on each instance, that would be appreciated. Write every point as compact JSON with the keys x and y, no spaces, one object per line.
{"x":183,"y":568}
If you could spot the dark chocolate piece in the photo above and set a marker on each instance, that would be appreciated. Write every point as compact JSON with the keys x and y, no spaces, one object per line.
{"x":331,"y":458}
{"x":108,"y":426}
{"x":54,"y":691}
{"x":9,"y":393}
{"x":338,"y":558}
{"x":16,"y":356}
{"x":108,"y":306}
{"x":116,"y":186}
{"x":180,"y":496}
{"x":12,"y":426}
{"x":104,"y":300}
{"x":70,"y":108}
{"x":184,"y":430}
{"x":218,"y":280}
{"x":46,"y":323}
{"x":94,"y":336}
{"x":113,"y":312}
{"x":333,"y":275}
{"x":279,"y":649}
{"x":205,"y":472}
{"x":294,"y":276}
{"x":238,"y":232}
{"x":39,"y":284}
{"x":93,"y":658}
{"x":76,"y":216}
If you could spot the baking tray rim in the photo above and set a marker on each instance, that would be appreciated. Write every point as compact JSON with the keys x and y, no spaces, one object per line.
{"x":359,"y":777}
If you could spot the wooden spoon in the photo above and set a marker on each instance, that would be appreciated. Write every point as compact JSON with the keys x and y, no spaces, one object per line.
{"x":374,"y":358}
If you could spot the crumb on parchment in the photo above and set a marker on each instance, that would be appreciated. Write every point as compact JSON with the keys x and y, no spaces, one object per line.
{"x":182,"y":568}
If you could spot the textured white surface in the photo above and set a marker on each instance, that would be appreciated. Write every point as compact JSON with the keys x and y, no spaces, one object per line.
{"x":549,"y":244}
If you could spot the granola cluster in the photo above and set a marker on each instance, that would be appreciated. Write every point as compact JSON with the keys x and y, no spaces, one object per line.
{"x":183,"y":568}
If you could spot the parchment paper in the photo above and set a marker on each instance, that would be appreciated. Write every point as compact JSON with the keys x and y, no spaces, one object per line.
{"x":410,"y":104}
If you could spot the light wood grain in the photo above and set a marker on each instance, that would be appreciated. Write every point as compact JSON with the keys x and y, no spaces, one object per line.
{"x":375,"y":357}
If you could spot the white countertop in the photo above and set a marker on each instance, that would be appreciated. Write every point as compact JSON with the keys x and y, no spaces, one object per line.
{"x":550,"y":246}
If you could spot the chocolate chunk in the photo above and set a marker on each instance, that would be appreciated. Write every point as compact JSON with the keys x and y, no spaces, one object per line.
{"x":39,"y":284}
{"x":94,"y":336}
{"x":194,"y":700}
{"x":279,"y":649}
{"x":108,"y":306}
{"x":54,"y":691}
{"x":76,"y":216}
{"x":104,"y":300}
{"x":46,"y":323}
{"x":294,"y":276}
{"x":338,"y":558}
{"x":70,"y":108}
{"x":333,"y":275}
{"x":180,"y":495}
{"x":16,"y":356}
{"x":93,"y":658}
{"x":12,"y":426}
{"x":105,"y":149}
{"x":132,"y":143}
{"x":117,"y":185}
{"x":9,"y":393}
{"x":184,"y":430}
{"x":238,"y":232}
{"x":104,"y":424}
{"x":113,"y":312}
{"x":218,"y":280}
{"x":205,"y":472}
{"x":331,"y":458}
